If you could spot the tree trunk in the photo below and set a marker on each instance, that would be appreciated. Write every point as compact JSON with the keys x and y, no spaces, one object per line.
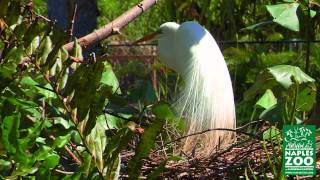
{"x":85,"y":19}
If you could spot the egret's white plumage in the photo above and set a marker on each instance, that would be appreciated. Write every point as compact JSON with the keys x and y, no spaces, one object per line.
{"x":207,"y":99}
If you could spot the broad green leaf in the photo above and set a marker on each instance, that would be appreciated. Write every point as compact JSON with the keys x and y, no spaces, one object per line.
{"x":77,"y":49}
{"x":267,"y":100}
{"x":27,"y":80}
{"x":277,"y":58}
{"x":306,"y":97}
{"x":163,"y":111}
{"x":46,"y":92}
{"x":96,"y":142}
{"x":264,"y":81}
{"x":63,"y":122}
{"x":34,"y":132}
{"x":111,"y":122}
{"x":274,"y":114}
{"x":283,"y":74}
{"x":33,"y":45}
{"x":45,"y":47}
{"x":109,"y":78}
{"x":10,"y":132}
{"x":41,"y":140}
{"x":312,"y":13}
{"x":61,"y":141}
{"x":42,"y":153}
{"x":51,"y":161}
{"x":285,"y":15}
{"x":271,"y":133}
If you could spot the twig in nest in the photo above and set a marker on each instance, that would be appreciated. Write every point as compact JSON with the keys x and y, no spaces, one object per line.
{"x":63,"y":172}
{"x":202,"y":132}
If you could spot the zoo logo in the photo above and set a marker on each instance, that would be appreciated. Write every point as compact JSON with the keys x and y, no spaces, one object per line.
{"x":299,"y":150}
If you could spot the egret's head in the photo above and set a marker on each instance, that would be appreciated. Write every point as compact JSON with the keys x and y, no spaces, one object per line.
{"x":167,"y":29}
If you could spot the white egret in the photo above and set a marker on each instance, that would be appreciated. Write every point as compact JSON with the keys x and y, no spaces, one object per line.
{"x":207,"y":100}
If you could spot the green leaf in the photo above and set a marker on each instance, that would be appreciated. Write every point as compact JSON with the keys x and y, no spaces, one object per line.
{"x":283,"y":74}
{"x":274,"y":114}
{"x":271,"y":133}
{"x":63,"y":122}
{"x":109,"y":78}
{"x":313,"y":13}
{"x":51,"y":161}
{"x":147,"y":141}
{"x":42,"y":153}
{"x":27,"y":80}
{"x":45,"y":47}
{"x":276,"y":76}
{"x":4,"y":165}
{"x":61,"y":141}
{"x":10,"y":132}
{"x":285,"y":15}
{"x":46,"y":92}
{"x":97,"y":142}
{"x":76,"y":51}
{"x":290,"y":1}
{"x":162,"y":110}
{"x":267,"y":100}
{"x":264,"y":81}
{"x":306,"y":97}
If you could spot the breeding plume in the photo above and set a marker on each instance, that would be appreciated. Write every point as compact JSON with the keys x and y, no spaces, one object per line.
{"x":206,"y":100}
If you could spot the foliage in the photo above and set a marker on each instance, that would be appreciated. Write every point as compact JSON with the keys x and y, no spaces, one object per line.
{"x":59,"y":114}
{"x":62,"y":116}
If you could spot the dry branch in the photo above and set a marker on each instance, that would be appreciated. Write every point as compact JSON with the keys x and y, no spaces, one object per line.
{"x":114,"y":26}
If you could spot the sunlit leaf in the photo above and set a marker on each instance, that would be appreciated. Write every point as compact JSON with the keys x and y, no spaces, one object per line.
{"x":271,"y":133}
{"x":51,"y":161}
{"x":61,"y":141}
{"x":283,"y":74}
{"x":285,"y":15}
{"x":267,"y":100}
{"x":96,"y":142}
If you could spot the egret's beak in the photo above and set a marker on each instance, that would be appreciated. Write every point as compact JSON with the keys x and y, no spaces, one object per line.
{"x":148,"y":37}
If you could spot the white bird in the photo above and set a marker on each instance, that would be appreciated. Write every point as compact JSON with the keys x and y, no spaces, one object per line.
{"x":207,"y":100}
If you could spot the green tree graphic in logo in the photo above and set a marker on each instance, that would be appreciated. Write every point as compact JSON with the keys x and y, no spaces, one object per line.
{"x":299,"y":150}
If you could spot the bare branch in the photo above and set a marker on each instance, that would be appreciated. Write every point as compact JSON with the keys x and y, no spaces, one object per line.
{"x":113,"y":27}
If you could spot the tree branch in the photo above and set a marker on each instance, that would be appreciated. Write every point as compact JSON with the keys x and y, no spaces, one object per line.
{"x":114,"y":26}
